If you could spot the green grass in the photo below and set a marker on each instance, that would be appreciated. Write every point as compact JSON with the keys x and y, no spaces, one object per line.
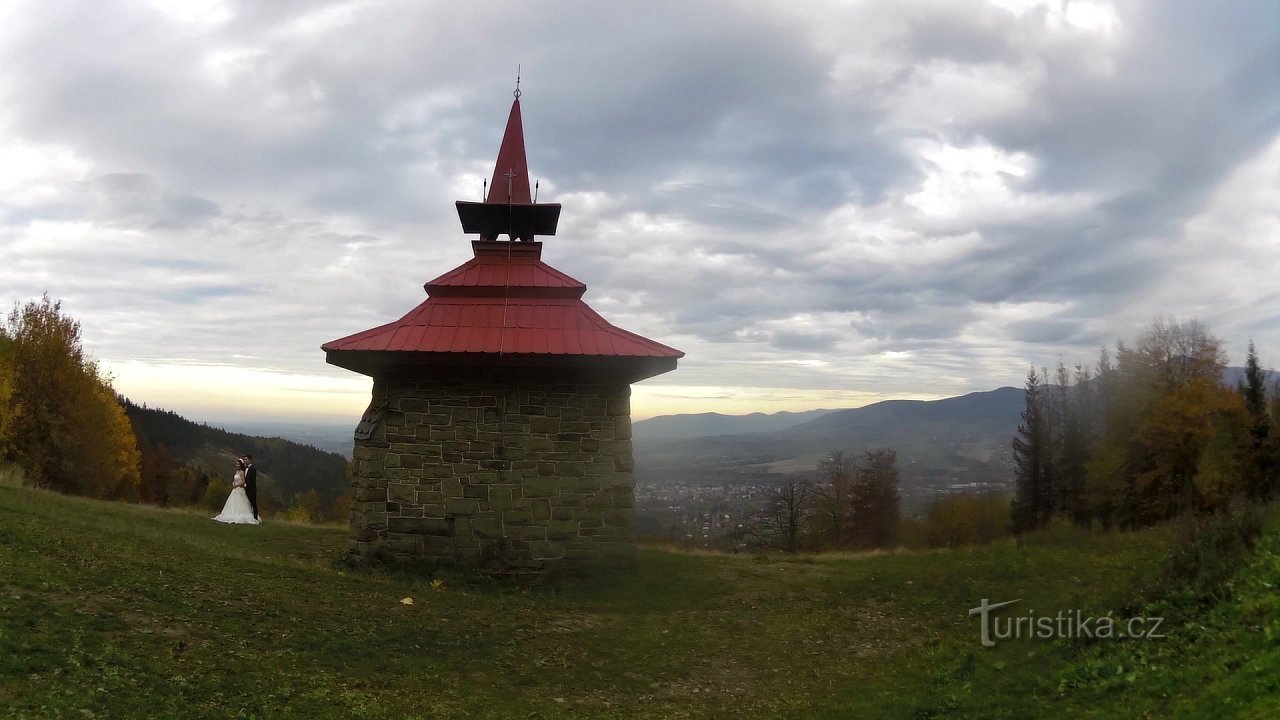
{"x":111,"y":610}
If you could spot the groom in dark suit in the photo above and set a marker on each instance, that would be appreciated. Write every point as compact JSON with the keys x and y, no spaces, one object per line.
{"x":251,"y":484}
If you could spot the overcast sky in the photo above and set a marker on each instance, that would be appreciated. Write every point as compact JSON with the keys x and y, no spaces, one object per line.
{"x":822,"y":203}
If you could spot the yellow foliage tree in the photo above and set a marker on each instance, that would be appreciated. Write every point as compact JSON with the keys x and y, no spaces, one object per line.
{"x":8,"y":410}
{"x":66,"y":427}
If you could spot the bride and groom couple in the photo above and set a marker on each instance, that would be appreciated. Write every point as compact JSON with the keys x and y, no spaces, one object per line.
{"x":241,"y":507}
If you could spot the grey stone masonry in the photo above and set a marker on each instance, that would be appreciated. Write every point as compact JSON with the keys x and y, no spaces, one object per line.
{"x":511,"y":475}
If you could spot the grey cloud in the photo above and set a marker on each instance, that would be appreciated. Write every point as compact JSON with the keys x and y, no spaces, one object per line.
{"x":307,"y":194}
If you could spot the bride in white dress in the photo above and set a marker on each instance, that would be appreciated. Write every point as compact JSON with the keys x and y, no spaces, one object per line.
{"x":237,"y":509}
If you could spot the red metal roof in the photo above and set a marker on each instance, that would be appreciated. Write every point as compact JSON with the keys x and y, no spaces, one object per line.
{"x":504,"y":301}
{"x":504,"y":308}
{"x":506,"y":266}
{"x":554,"y":326}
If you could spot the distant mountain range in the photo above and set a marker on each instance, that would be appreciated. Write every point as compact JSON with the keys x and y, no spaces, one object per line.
{"x":710,"y":424}
{"x":958,"y":440}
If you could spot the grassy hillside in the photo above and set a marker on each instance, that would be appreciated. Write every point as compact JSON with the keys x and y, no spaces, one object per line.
{"x":112,"y":610}
{"x":287,"y":467}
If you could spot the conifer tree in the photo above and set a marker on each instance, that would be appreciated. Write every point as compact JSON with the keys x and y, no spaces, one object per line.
{"x":1032,"y":496}
{"x":1260,"y":465}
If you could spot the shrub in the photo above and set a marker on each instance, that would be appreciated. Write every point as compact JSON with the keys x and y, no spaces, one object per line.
{"x":215,"y":495}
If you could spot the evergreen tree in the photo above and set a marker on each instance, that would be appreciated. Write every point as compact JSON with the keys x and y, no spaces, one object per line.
{"x":1032,"y":497}
{"x":1260,"y":465}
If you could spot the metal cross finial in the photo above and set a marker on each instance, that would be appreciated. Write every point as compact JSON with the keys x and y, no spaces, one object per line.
{"x":516,"y":94}
{"x":508,"y":175}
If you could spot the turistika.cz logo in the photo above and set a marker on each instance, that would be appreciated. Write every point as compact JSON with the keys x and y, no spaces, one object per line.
{"x":1065,"y":625}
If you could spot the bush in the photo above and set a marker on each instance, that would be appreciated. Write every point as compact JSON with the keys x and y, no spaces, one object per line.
{"x":12,"y":476}
{"x":215,"y":495}
{"x":1210,"y":551}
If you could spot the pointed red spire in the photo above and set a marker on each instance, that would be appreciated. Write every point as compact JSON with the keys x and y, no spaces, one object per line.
{"x":510,"y":183}
{"x":508,"y":208}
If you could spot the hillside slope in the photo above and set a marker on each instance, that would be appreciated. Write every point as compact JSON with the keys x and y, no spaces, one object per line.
{"x":287,"y":466}
{"x":126,"y":611}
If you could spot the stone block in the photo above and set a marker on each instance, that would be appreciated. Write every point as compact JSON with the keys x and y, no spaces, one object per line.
{"x":562,"y":530}
{"x":538,"y":487}
{"x":542,"y":425}
{"x":461,"y":507}
{"x":402,"y":493}
{"x":412,"y":405}
{"x":368,"y":494}
{"x":536,"y":444}
{"x":407,"y":544}
{"x":511,"y":452}
{"x":517,"y":518}
{"x":617,"y":479}
{"x":571,"y":500}
{"x":530,"y":532}
{"x":499,"y":498}
{"x":477,"y":492}
{"x":624,"y":497}
{"x":588,"y":519}
{"x":488,"y":528}
{"x":571,"y":468}
{"x":545,"y":549}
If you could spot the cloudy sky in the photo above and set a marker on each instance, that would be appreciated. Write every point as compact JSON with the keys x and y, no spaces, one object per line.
{"x":822,"y":203}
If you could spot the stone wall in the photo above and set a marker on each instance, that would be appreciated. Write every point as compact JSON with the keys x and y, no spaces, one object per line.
{"x":518,"y":476}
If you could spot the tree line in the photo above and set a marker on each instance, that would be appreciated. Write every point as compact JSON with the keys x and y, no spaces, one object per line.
{"x":1146,"y":434}
{"x":854,"y":505}
{"x":64,"y":428}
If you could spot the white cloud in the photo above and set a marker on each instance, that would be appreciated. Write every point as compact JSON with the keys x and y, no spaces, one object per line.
{"x":822,"y":204}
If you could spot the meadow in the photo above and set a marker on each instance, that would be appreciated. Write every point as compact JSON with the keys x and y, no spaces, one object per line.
{"x":123,"y":611}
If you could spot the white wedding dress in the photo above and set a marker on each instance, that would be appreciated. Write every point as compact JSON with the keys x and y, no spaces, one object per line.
{"x":237,"y":509}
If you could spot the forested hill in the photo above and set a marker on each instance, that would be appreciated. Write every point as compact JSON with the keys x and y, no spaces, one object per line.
{"x":290,"y":467}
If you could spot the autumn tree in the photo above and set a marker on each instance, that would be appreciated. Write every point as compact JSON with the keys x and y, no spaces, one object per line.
{"x":67,"y":429}
{"x":875,"y":502}
{"x":837,"y":474}
{"x":1173,"y":436}
{"x":9,"y":409}
{"x":787,"y":510}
